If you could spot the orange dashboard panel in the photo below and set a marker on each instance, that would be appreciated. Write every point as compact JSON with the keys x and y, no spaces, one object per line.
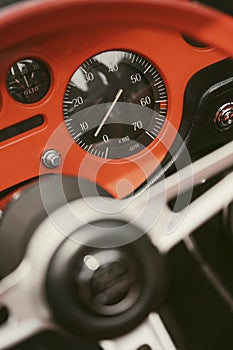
{"x":59,"y":90}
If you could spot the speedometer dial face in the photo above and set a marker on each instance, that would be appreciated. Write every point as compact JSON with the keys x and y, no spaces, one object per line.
{"x":115,"y":104}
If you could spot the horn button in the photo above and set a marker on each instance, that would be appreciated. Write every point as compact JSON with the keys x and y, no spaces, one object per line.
{"x":102,"y":293}
{"x":109,"y":282}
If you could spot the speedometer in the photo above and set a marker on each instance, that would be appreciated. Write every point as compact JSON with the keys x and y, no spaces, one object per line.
{"x":115,"y":104}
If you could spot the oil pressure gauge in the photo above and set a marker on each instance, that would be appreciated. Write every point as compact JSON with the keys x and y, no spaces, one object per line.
{"x":115,"y":104}
{"x":28,"y":80}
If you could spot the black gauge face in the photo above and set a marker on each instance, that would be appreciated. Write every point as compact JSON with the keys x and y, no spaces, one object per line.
{"x":115,"y":104}
{"x":28,"y":81}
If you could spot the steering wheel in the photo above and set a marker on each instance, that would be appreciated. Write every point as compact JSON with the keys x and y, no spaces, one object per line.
{"x":71,"y":245}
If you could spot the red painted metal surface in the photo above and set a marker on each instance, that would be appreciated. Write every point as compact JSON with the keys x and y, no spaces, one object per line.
{"x":63,"y":34}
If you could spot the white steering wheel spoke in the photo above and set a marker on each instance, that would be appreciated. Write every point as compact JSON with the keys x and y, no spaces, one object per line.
{"x":26,"y":314}
{"x":13,"y":332}
{"x":198,"y":212}
{"x":167,"y":228}
{"x":151,"y":334}
{"x":150,"y":212}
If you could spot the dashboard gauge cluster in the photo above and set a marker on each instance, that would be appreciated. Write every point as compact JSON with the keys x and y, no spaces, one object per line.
{"x":111,"y":108}
{"x":28,"y":80}
{"x":115,"y":104}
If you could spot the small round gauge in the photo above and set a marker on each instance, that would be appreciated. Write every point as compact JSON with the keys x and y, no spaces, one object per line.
{"x":115,"y":104}
{"x":28,"y":81}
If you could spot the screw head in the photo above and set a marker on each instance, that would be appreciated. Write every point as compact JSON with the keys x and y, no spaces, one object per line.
{"x":51,"y":159}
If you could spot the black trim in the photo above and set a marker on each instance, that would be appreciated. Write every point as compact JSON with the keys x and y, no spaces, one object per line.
{"x":4,"y":3}
{"x":222,"y":5}
{"x":21,"y":127}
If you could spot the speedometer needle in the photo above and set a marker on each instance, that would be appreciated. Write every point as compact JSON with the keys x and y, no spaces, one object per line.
{"x":108,"y":112}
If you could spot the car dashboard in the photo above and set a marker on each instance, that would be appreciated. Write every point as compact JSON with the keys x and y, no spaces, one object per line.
{"x":117,"y":106}
{"x":33,"y":122}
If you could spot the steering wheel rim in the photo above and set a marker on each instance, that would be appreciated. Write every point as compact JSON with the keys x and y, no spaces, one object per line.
{"x":185,"y":17}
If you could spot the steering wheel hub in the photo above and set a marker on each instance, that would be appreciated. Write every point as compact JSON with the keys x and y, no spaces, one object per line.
{"x":104,"y":291}
{"x":109,"y":281}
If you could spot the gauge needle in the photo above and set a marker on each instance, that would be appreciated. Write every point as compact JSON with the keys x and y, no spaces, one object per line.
{"x":108,"y":112}
{"x":24,"y":77}
{"x":26,"y":81}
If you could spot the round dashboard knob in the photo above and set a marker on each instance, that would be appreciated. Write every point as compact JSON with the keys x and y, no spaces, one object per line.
{"x":224,"y":117}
